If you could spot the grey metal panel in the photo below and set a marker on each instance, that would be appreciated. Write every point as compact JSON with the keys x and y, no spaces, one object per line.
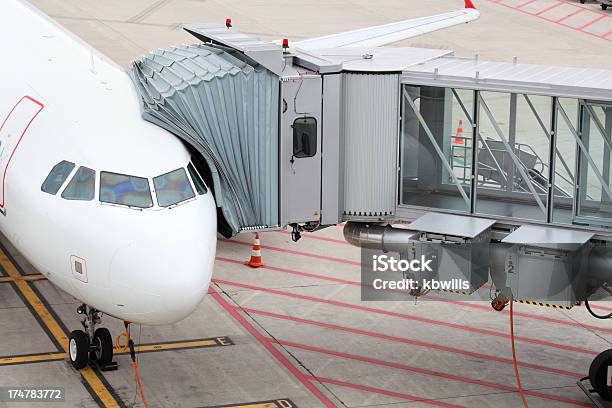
{"x":473,"y":73}
{"x":371,"y":123}
{"x":300,"y":177}
{"x":551,"y":238}
{"x":332,"y":151}
{"x":363,"y":59}
{"x":267,"y":54}
{"x":449,"y":224}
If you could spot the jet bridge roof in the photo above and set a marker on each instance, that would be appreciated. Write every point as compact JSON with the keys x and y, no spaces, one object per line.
{"x":268,"y":54}
{"x":366,"y":59}
{"x":473,"y":73}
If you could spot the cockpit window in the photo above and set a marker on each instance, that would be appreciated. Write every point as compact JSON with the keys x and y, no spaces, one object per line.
{"x":125,"y":190}
{"x":172,"y":188}
{"x":197,"y":180}
{"x":59,"y":173}
{"x":82,"y":186}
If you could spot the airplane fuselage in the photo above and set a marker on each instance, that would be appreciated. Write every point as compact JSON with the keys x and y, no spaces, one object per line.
{"x":132,"y":245}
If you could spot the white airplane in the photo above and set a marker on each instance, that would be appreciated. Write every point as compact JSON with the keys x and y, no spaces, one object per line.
{"x":109,"y":207}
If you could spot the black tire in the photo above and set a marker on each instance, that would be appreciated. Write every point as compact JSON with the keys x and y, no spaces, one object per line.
{"x":598,"y":374}
{"x":582,"y":1}
{"x":604,"y":7}
{"x":78,"y":349}
{"x":103,"y":347}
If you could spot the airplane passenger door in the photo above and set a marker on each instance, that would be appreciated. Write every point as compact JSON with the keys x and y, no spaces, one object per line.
{"x":12,"y":131}
{"x":300,"y":149}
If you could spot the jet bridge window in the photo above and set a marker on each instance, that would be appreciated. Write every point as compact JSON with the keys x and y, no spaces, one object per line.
{"x":82,"y":186}
{"x":304,"y":137}
{"x":197,"y":180}
{"x":172,"y":188}
{"x":125,"y":190}
{"x":56,"y":178}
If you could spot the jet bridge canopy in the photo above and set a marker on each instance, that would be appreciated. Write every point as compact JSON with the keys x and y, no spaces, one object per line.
{"x":517,"y":142}
{"x":226,"y":107}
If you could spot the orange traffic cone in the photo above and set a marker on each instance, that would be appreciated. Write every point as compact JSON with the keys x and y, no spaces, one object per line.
{"x":255,"y":261}
{"x":459,"y":139}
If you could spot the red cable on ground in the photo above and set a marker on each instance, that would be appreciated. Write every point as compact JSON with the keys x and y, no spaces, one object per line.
{"x":516,"y":373}
{"x":139,"y":384}
{"x":130,"y":344}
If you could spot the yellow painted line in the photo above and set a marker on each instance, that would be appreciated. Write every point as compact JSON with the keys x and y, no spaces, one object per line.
{"x":95,"y":383}
{"x":172,"y":346}
{"x":32,"y":277}
{"x":35,"y":358}
{"x":32,"y":359}
{"x":279,"y":403}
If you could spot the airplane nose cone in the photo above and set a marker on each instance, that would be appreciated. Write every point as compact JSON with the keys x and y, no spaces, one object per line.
{"x":162,"y":278}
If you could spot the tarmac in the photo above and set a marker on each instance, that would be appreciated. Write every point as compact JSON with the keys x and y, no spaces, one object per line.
{"x":295,"y":333}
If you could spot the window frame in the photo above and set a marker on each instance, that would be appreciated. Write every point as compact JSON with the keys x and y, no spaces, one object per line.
{"x":135,"y":207}
{"x":189,"y":181}
{"x":63,"y":183}
{"x":300,"y":153}
{"x":74,"y":174}
{"x":193,"y":181}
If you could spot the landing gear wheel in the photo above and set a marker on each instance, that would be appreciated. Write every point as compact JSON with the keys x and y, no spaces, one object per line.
{"x":582,"y":1}
{"x":78,"y":349}
{"x":102,"y":344}
{"x":598,"y":373}
{"x":604,"y":7}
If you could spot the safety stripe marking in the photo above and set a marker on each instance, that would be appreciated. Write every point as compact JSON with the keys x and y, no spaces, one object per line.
{"x":89,"y":375}
{"x":278,"y":403}
{"x":143,"y":348}
{"x":534,"y":303}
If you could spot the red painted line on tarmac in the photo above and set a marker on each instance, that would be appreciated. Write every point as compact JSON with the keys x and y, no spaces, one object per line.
{"x":280,"y":357}
{"x":486,"y":308}
{"x":420,"y":319}
{"x":293,"y":252}
{"x":607,"y":34}
{"x":418,"y":343}
{"x":526,"y":4}
{"x":554,"y":6}
{"x":424,"y":371}
{"x":600,"y":307}
{"x":347,"y":261}
{"x":312,"y":235}
{"x":384,"y":392}
{"x":293,"y":272}
{"x":590,"y":23}
{"x":559,"y":22}
{"x":570,"y":15}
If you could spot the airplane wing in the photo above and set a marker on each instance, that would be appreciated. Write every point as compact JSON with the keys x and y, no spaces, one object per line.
{"x":389,"y":33}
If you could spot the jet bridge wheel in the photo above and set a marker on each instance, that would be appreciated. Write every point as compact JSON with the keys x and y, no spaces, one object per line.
{"x":598,"y":373}
{"x":102,"y":346}
{"x":78,"y":349}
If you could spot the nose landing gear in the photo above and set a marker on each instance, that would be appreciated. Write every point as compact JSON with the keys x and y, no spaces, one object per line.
{"x":91,"y":345}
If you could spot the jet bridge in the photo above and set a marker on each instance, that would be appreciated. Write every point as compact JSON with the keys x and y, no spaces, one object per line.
{"x":378,"y":134}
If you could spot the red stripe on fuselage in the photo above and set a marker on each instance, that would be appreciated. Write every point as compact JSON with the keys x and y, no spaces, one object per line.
{"x":41,"y":107}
